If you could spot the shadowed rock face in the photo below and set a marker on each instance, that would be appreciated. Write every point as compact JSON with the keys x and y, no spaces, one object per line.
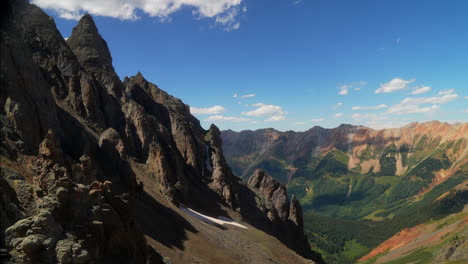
{"x":284,"y":218}
{"x":75,"y":137}
{"x":72,"y":222}
{"x":93,"y":54}
{"x":273,"y":193}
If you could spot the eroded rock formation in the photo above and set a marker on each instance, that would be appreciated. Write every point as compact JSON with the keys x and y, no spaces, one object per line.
{"x":75,"y":139}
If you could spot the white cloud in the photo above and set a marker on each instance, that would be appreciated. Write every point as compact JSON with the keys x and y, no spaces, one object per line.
{"x":248,"y":96}
{"x":273,"y":112}
{"x":338,"y":115}
{"x":234,"y":96}
{"x":401,"y":109}
{"x":369,"y":107}
{"x":421,"y":90}
{"x":218,"y":118}
{"x":344,"y":89}
{"x":411,"y":105}
{"x":229,"y":18}
{"x":430,"y":100}
{"x":265,"y":110}
{"x":368,"y":117}
{"x":449,"y":91}
{"x":466,"y":97}
{"x":225,"y":12}
{"x":337,"y":105}
{"x":300,"y":123}
{"x":395,"y":84}
{"x":217,"y":109}
{"x":275,"y":118}
{"x":386,"y":124}
{"x":317,"y":119}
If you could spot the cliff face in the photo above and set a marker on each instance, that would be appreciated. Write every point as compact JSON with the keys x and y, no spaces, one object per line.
{"x":94,"y":169}
{"x":285,"y":218}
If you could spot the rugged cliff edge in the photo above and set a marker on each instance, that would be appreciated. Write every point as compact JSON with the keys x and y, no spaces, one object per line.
{"x":94,"y":169}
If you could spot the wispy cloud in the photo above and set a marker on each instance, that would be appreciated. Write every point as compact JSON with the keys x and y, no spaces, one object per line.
{"x":368,"y":117}
{"x":217,"y":109}
{"x":398,"y":40}
{"x":431,"y":100}
{"x":343,"y":89}
{"x":275,"y":118}
{"x":395,"y":84}
{"x":444,"y":92}
{"x":421,"y":90}
{"x":248,"y":96}
{"x":228,"y":19}
{"x":356,"y":86}
{"x":218,"y":118}
{"x":402,"y":109}
{"x":338,"y":115}
{"x":300,"y":123}
{"x":317,"y":119}
{"x":338,"y":105}
{"x":380,"y":106}
{"x":224,"y":12}
{"x":386,"y":124}
{"x":412,"y":105}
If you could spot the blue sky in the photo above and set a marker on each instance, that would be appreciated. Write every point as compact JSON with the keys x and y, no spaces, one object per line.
{"x":291,"y":64}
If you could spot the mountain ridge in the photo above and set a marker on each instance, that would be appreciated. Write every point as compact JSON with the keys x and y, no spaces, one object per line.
{"x":339,"y":137}
{"x":359,"y":186}
{"x":96,"y":169}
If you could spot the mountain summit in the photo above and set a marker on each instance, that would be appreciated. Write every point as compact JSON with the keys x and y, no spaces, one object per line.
{"x":99,"y":170}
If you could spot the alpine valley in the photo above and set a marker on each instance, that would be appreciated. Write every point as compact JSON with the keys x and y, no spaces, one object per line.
{"x":95,"y":168}
{"x":401,"y":193}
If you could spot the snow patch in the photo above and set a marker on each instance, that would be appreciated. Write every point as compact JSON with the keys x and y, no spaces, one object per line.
{"x":211,"y":220}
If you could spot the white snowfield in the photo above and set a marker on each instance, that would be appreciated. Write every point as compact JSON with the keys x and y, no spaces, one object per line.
{"x":211,"y":220}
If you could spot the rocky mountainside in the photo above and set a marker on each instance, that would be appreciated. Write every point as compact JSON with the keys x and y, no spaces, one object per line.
{"x":409,"y":161}
{"x":99,"y":170}
{"x":286,"y":155}
{"x":377,"y":181}
{"x":441,"y":241}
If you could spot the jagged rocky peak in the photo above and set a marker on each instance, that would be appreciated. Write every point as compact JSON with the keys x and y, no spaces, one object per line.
{"x":119,"y":133}
{"x":285,"y":217}
{"x":90,"y":48}
{"x":223,"y":181}
{"x":93,"y":54}
{"x":138,"y":83}
{"x":275,"y":194}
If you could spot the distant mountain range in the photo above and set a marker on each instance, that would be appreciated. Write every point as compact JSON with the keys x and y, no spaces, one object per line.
{"x":360,"y":175}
